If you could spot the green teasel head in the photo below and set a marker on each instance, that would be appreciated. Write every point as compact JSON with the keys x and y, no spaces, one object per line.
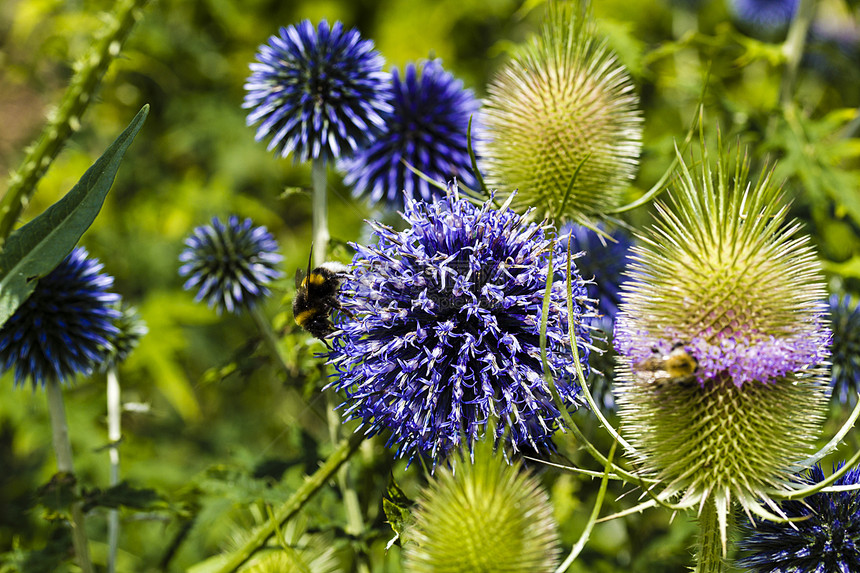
{"x":562,"y":110}
{"x":480,"y":515}
{"x":723,"y":341}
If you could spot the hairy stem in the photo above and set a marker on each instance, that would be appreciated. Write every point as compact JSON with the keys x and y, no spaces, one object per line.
{"x":63,"y":451}
{"x":67,"y":118}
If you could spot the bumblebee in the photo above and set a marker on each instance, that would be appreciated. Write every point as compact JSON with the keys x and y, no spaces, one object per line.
{"x":676,"y":366}
{"x":316,"y":297}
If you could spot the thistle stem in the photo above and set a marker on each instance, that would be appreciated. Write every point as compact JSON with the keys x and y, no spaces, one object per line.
{"x":320,"y":216}
{"x":63,"y":451}
{"x":710,"y":546}
{"x":114,"y":414}
{"x":793,"y":48}
{"x":271,"y":338}
{"x":232,"y":561}
{"x":354,"y":519}
{"x":67,"y":118}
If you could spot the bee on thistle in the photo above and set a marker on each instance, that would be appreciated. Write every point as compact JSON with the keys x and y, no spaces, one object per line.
{"x":661,"y":369}
{"x":316,"y":297}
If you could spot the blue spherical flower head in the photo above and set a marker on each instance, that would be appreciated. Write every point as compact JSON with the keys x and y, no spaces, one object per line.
{"x":845,"y":348}
{"x":427,"y":130}
{"x":65,"y":326}
{"x":443,"y":329}
{"x":318,"y":93}
{"x":768,"y":14}
{"x":231,"y":265}
{"x":826,"y":539}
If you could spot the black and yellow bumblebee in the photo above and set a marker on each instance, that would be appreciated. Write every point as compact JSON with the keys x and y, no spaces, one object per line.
{"x":316,"y":297}
{"x":676,"y":366}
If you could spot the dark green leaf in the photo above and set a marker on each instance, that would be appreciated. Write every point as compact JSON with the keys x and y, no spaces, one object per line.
{"x":36,"y":248}
{"x":124,"y":495}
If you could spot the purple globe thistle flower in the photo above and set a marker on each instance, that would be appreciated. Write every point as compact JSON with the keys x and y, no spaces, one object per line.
{"x":827,"y":538}
{"x":318,"y":93}
{"x":232,"y":265}
{"x":427,"y":130}
{"x":65,"y":326}
{"x":845,"y":348}
{"x":769,"y":14}
{"x":443,"y":329}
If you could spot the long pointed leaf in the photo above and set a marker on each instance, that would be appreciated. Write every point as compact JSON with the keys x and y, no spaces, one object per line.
{"x":35,"y":249}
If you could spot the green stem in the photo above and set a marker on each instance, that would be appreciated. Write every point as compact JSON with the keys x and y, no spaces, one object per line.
{"x":793,"y":48}
{"x":63,"y":451}
{"x":354,"y":519}
{"x":271,"y":339}
{"x":320,"y":216}
{"x":232,"y":561}
{"x":114,"y":414}
{"x":67,"y":119}
{"x":710,"y":546}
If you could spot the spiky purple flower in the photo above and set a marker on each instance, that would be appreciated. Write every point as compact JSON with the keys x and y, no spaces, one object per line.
{"x":845,"y":348}
{"x":826,"y":539}
{"x":318,"y":93}
{"x":231,"y":265}
{"x":65,"y":326}
{"x":443,"y":325}
{"x":427,"y":130}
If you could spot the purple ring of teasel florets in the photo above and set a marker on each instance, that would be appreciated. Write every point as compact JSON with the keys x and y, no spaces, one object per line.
{"x":442,"y":329}
{"x":318,"y":93}
{"x":828,"y":539}
{"x":231,"y":265}
{"x":427,"y":129}
{"x":65,"y":326}
{"x":845,"y":348}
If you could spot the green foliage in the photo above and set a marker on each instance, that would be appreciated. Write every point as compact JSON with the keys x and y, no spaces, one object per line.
{"x":216,"y":435}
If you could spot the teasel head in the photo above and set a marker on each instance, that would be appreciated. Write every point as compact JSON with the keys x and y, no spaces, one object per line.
{"x":562,"y":107}
{"x":722,"y":342}
{"x":482,"y":514}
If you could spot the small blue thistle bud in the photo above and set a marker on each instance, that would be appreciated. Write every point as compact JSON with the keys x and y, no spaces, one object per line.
{"x":721,"y":336}
{"x":562,"y":103}
{"x":130,"y":329}
{"x":231,"y":265}
{"x":443,"y":328}
{"x":482,"y":515}
{"x":318,"y":93}
{"x":845,"y":348}
{"x":427,"y":129}
{"x":66,"y":325}
{"x":825,"y":539}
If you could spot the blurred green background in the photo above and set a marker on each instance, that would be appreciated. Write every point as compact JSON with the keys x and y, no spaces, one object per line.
{"x":211,"y":424}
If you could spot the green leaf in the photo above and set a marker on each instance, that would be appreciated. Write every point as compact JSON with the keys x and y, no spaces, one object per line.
{"x":123,"y":494}
{"x":398,"y":509}
{"x":33,"y":251}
